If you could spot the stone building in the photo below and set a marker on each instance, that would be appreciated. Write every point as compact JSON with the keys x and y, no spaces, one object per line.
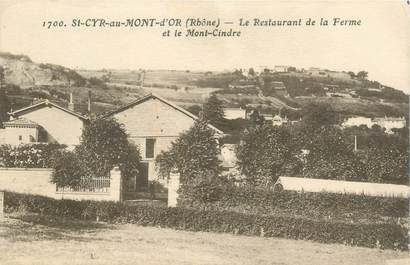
{"x":44,"y":122}
{"x":153,"y":123}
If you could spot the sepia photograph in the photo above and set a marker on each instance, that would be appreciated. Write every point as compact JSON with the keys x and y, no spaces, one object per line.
{"x":204,"y":132}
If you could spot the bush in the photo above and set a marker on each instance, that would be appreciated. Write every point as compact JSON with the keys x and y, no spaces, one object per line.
{"x":68,"y":169}
{"x":348,"y":207}
{"x":384,"y":235}
{"x":203,"y":192}
{"x":28,"y":156}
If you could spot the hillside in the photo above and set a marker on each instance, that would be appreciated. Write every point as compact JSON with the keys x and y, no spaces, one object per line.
{"x":268,"y":90}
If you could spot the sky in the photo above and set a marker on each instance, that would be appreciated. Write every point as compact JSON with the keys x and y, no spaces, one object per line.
{"x":379,"y":46}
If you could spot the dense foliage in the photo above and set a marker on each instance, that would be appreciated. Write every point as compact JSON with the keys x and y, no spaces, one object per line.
{"x":331,"y":156}
{"x":374,"y":234}
{"x":104,"y":144}
{"x":316,"y":115}
{"x":194,"y":155}
{"x":28,"y":156}
{"x":213,"y":111}
{"x":5,"y":104}
{"x":263,"y":154}
{"x":326,"y":152}
{"x":335,"y":206}
{"x":68,"y":169}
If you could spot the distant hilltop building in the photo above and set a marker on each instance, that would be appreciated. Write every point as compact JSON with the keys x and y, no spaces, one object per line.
{"x":358,"y":121}
{"x":387,"y":123}
{"x":234,"y":113}
{"x":277,"y":120}
{"x":281,"y":68}
{"x":314,"y":71}
{"x":390,"y":123}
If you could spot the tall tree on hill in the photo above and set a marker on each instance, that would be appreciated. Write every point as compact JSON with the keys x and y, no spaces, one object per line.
{"x":362,"y":75}
{"x":251,"y":72}
{"x":4,"y":101}
{"x":213,"y":111}
{"x":352,"y":74}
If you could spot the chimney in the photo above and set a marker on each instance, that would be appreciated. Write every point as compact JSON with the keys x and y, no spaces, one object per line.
{"x":89,"y":102}
{"x":71,"y":104}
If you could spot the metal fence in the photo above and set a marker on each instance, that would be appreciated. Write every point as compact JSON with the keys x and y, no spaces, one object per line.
{"x":89,"y":184}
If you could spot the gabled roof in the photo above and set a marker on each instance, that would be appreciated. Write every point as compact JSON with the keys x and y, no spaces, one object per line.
{"x":43,"y":104}
{"x":153,"y":96}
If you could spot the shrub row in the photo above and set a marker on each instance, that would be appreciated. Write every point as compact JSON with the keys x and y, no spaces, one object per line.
{"x":313,"y":205}
{"x":28,"y":156}
{"x":385,"y":235}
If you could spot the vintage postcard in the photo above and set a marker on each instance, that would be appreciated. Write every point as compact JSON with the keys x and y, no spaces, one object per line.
{"x":204,"y":132}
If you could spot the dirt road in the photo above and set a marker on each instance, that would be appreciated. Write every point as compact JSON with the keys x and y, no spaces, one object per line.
{"x":46,"y":241}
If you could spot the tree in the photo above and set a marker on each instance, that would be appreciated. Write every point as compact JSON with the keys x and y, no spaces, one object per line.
{"x":362,"y":75}
{"x":4,"y":101}
{"x":352,"y":74}
{"x":256,"y":118}
{"x":264,"y":153}
{"x":387,"y":165}
{"x":194,"y":155}
{"x":316,"y":115}
{"x":331,"y":156}
{"x":68,"y":169}
{"x":213,"y":111}
{"x":104,"y":144}
{"x":194,"y":109}
{"x":251,"y":72}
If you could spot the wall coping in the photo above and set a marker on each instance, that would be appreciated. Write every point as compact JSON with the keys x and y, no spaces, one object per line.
{"x":24,"y":169}
{"x":83,"y":193}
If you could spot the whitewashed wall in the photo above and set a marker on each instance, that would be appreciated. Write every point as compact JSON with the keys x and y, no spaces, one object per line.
{"x":62,"y":127}
{"x":36,"y":181}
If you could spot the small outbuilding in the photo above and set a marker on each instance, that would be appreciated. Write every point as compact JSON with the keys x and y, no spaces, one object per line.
{"x":338,"y":186}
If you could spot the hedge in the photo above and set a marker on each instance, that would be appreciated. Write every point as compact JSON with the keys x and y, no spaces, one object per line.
{"x":248,"y":199}
{"x":383,"y":235}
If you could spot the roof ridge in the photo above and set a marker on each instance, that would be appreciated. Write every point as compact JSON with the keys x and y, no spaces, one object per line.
{"x":137,"y":101}
{"x":47,"y":102}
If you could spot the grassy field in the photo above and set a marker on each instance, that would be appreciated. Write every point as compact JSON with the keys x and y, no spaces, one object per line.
{"x":31,"y":239}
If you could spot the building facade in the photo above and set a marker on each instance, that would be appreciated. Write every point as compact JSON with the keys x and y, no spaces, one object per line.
{"x":388,"y":123}
{"x":152,"y":124}
{"x":234,"y":113}
{"x":44,"y":122}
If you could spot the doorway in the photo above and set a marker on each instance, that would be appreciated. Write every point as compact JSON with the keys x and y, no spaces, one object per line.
{"x":141,"y":181}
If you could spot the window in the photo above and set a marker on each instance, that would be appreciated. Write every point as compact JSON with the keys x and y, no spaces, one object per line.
{"x":149,"y":148}
{"x":20,"y":138}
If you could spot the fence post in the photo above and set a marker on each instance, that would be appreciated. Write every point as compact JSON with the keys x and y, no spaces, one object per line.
{"x":173,"y":186}
{"x":116,"y":184}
